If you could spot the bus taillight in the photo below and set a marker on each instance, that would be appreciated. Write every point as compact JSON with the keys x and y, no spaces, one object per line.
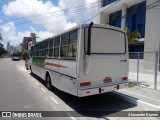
{"x":124,"y":78}
{"x":85,"y":84}
{"x":107,"y":80}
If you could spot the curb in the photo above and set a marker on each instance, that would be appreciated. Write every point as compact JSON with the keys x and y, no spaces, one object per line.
{"x":135,"y":101}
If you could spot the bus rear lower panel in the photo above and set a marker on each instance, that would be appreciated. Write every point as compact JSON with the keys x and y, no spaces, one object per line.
{"x":101,"y":89}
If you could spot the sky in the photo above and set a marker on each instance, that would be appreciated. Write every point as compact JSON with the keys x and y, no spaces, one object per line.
{"x":18,"y":18}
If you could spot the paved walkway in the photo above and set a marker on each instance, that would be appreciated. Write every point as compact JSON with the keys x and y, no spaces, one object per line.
{"x":148,"y":96}
{"x":146,"y":76}
{"x":145,"y":80}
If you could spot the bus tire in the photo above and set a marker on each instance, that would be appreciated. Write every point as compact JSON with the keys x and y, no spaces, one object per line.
{"x":48,"y":82}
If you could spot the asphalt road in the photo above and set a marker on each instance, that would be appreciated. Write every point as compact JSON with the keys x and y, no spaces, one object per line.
{"x":19,"y":91}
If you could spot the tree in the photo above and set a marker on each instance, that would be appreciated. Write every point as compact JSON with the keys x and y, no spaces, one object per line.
{"x":0,"y":36}
{"x":23,"y":55}
{"x":2,"y":51}
{"x":133,"y":36}
{"x":1,"y":45}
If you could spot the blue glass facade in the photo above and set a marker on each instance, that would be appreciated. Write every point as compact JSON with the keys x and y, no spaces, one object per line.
{"x":107,"y":2}
{"x":115,"y":19}
{"x":135,"y":19}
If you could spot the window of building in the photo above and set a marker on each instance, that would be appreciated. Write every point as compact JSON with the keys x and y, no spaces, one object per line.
{"x":136,"y":16}
{"x":115,"y":19}
{"x":107,"y":2}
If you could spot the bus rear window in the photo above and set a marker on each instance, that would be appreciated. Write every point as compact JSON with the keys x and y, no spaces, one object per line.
{"x":106,"y":41}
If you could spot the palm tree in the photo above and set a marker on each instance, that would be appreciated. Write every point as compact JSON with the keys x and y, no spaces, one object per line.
{"x":133,"y":36}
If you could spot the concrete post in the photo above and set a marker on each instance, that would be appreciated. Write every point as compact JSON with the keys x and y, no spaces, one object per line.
{"x":124,"y":12}
{"x":156,"y":68}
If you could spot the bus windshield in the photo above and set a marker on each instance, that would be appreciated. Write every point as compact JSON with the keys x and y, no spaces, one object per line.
{"x":106,"y":41}
{"x":15,"y":54}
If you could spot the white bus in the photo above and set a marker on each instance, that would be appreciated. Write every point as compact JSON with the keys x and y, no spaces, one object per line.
{"x":86,"y":60}
{"x":15,"y":56}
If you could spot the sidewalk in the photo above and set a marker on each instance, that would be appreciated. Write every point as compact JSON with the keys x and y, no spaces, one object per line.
{"x":147,"y":98}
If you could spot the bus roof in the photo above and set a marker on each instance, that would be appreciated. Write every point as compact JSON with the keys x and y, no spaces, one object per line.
{"x":82,"y":26}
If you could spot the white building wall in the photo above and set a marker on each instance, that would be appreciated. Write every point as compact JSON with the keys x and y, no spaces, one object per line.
{"x":152,"y":34}
{"x":104,"y":18}
{"x":124,"y":12}
{"x":152,"y":31}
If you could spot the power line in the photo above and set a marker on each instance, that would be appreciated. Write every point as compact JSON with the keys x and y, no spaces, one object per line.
{"x":61,"y":14}
{"x":153,"y":3}
{"x":71,"y":12}
{"x":51,"y":13}
{"x":101,"y":11}
{"x":54,"y":15}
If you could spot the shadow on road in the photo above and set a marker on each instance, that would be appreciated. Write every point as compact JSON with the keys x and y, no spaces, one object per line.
{"x":93,"y":106}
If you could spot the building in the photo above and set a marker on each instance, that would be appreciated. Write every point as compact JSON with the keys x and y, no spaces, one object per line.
{"x":8,"y":46}
{"x":11,"y":48}
{"x":27,"y":40}
{"x":138,"y":15}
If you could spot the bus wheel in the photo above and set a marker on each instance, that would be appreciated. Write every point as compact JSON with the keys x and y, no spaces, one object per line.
{"x":48,"y":82}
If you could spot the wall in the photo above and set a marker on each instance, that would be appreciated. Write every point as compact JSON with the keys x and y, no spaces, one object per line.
{"x":152,"y":32}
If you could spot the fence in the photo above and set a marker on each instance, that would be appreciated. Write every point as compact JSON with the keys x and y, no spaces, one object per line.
{"x":144,"y":69}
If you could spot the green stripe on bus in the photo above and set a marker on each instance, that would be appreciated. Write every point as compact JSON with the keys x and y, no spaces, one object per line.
{"x":38,"y":61}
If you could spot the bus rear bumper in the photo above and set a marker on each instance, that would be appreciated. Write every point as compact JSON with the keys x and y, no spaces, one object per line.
{"x":100,"y":89}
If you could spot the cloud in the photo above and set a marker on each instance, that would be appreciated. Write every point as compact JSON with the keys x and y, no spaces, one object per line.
{"x":43,"y":10}
{"x":8,"y":31}
{"x":9,"y":34}
{"x":28,"y":9}
{"x":91,"y":7}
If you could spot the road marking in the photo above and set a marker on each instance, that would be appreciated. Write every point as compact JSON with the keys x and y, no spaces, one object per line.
{"x":34,"y":86}
{"x":37,"y":83}
{"x":54,"y":100}
{"x":70,"y":116}
{"x":43,"y":90}
{"x":142,"y":95}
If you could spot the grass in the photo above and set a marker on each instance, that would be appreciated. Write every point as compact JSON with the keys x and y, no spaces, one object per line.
{"x":132,"y":84}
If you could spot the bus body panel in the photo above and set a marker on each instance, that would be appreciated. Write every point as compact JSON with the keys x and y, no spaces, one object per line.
{"x":101,"y":89}
{"x":15,"y":56}
{"x":68,"y":84}
{"x":55,"y":78}
{"x":96,"y":67}
{"x":51,"y":66}
{"x":69,"y":75}
{"x":68,"y":68}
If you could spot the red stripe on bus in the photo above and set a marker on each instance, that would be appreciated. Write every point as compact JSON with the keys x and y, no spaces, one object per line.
{"x":54,"y":65}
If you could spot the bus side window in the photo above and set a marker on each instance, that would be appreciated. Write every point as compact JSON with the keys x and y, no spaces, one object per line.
{"x":73,"y":44}
{"x":69,"y":45}
{"x":51,"y":47}
{"x":56,"y":46}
